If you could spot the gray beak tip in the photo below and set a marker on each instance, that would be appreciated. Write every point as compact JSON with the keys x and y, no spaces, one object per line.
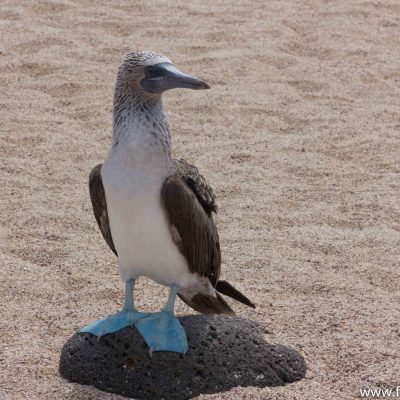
{"x":206,"y":86}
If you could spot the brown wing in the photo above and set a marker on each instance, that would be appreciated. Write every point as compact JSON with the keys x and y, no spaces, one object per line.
{"x":192,"y":227}
{"x":189,"y":201}
{"x":98,"y":197}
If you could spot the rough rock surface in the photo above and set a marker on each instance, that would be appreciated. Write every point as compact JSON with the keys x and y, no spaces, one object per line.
{"x":224,"y":352}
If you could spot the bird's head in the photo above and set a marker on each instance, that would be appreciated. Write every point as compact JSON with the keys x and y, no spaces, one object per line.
{"x":150,"y":74}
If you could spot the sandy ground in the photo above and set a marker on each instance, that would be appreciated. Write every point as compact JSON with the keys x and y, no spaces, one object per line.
{"x":299,"y":137}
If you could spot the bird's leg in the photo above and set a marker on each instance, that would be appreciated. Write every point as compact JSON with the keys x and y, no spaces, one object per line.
{"x":169,"y":307}
{"x":129,"y":304}
{"x":161,"y":330}
{"x":115,"y":322}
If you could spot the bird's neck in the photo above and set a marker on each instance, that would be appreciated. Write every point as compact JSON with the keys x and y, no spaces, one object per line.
{"x":141,"y":125}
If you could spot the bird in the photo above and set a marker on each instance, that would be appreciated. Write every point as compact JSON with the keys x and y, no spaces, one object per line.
{"x":156,"y":212}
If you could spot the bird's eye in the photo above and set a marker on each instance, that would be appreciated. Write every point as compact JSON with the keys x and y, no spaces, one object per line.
{"x":150,"y":70}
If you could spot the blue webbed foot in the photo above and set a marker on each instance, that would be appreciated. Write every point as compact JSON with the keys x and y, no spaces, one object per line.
{"x":163,"y":332}
{"x":113,"y":323}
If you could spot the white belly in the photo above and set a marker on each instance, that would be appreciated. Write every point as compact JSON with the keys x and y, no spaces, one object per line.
{"x":139,"y":228}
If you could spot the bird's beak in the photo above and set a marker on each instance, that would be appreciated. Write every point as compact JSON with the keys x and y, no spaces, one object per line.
{"x":165,"y":76}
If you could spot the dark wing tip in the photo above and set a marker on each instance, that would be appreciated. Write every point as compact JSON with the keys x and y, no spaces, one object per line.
{"x":227,"y":289}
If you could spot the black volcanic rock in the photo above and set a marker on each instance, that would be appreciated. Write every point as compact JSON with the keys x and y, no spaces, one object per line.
{"x":224,"y":352}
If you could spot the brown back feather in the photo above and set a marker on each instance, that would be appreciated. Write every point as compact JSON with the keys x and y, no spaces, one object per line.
{"x":190,"y":174}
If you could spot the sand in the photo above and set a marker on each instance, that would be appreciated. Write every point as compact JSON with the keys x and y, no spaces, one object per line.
{"x":299,"y":136}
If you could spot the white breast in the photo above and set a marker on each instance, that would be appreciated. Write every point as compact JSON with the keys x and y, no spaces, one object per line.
{"x":133,"y":175}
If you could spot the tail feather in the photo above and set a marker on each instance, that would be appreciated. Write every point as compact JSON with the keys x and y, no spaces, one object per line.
{"x":227,"y":289}
{"x":208,"y":304}
{"x":208,"y":300}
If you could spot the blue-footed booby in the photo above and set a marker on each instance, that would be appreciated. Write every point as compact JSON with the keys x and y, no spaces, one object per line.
{"x":154,"y":212}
